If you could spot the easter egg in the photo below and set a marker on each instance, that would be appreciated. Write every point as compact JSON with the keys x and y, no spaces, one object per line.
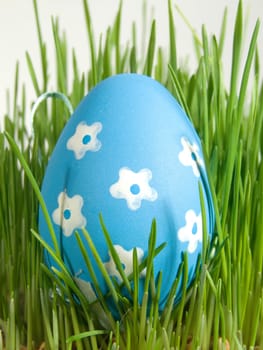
{"x":129,"y":153}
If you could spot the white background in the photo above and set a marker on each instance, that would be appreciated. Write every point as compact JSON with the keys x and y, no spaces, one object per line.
{"x":18,"y":30}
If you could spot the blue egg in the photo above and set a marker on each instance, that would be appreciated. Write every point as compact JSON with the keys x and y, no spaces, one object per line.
{"x":130,"y":153}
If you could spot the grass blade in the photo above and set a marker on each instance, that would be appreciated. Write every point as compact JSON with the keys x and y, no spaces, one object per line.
{"x":148,"y":66}
{"x":94,"y":70}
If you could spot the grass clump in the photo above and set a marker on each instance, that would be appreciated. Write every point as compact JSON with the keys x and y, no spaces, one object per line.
{"x":223,"y":309}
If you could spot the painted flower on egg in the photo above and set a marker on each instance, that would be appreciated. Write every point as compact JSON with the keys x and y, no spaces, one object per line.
{"x":68,"y":214}
{"x":192,"y":232}
{"x":85,"y":139}
{"x":134,"y":187}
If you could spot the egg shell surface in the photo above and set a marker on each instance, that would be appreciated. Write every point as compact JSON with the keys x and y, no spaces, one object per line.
{"x":130,"y":153}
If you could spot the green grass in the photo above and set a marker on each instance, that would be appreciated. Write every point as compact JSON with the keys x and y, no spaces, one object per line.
{"x":224,"y":304}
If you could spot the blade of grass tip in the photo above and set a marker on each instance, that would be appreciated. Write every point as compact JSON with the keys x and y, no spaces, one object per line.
{"x":133,"y":52}
{"x":247,"y":69}
{"x":172,"y":46}
{"x":148,"y":65}
{"x":100,"y":60}
{"x":91,"y":43}
{"x":78,"y":87}
{"x":61,"y":55}
{"x":124,"y":59}
{"x":158,"y":72}
{"x":107,"y":67}
{"x":134,"y":34}
{"x":36,"y":189}
{"x":222,"y":33}
{"x":114,"y":254}
{"x":179,"y":92}
{"x":32,"y":74}
{"x":116,"y":38}
{"x":193,"y":31}
{"x":217,"y":105}
{"x":236,"y":53}
{"x":206,"y":54}
{"x":42,"y":48}
{"x":133,"y":62}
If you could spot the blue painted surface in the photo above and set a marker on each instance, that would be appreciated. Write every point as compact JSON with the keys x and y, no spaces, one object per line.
{"x":130,"y":153}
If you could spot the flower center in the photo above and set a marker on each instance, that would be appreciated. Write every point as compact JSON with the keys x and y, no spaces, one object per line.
{"x":194,"y":229}
{"x":135,"y":189}
{"x":67,"y":214}
{"x":86,"y":139}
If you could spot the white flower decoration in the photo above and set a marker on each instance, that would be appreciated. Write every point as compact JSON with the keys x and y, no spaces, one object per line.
{"x":189,"y":156}
{"x":86,"y":289}
{"x":134,"y":187}
{"x":85,"y":139}
{"x":192,"y":231}
{"x":68,"y":214}
{"x":126,"y":258}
